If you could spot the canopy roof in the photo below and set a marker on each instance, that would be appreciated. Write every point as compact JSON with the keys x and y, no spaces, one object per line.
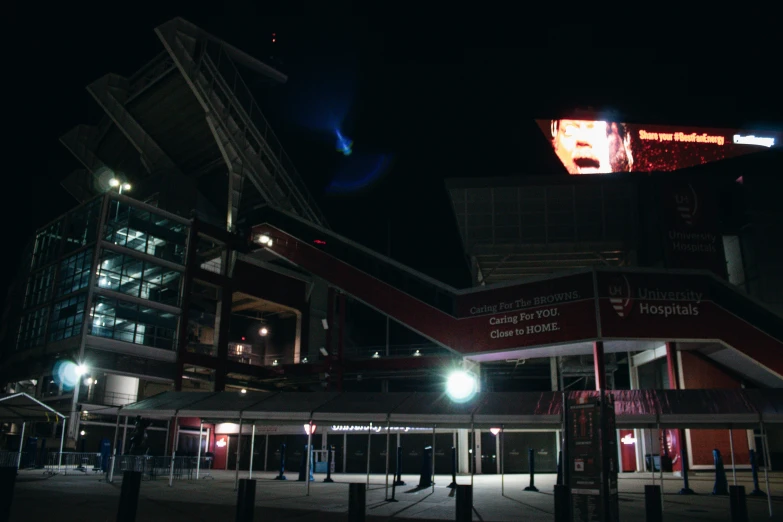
{"x":542,"y":410}
{"x":20,"y":407}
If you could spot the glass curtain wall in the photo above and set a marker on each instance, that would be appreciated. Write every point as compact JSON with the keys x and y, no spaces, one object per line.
{"x":146,"y":265}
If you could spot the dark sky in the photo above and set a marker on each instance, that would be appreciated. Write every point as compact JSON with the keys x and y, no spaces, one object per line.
{"x":444,"y":99}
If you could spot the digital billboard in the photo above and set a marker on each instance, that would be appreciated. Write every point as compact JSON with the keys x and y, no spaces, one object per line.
{"x":587,"y":146}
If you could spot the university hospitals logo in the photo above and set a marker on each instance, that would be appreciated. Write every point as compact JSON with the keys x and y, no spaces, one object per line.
{"x":687,"y":204}
{"x":620,"y":296}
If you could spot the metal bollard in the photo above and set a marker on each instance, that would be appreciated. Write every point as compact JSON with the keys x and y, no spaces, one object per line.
{"x":7,"y":482}
{"x":464,"y":503}
{"x":754,"y":469}
{"x":721,"y":486}
{"x":737,"y":504}
{"x":532,"y":466}
{"x":453,"y":468}
{"x":559,"y":468}
{"x":129,"y":496}
{"x":425,"y":478}
{"x":399,"y":481}
{"x":303,"y":466}
{"x":357,"y":502}
{"x":281,"y":476}
{"x":246,"y":500}
{"x":562,"y":503}
{"x":652,"y":504}
{"x":329,"y":456}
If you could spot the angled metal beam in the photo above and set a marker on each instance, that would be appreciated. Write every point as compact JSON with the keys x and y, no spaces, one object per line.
{"x":105,"y":91}
{"x":77,"y":142}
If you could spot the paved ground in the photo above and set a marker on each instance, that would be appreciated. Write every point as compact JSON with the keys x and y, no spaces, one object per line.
{"x":86,"y":497}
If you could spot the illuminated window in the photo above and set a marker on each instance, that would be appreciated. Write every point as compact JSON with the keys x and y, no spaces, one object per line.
{"x":47,"y":242}
{"x":133,"y":323}
{"x":145,"y":232}
{"x":132,"y":276}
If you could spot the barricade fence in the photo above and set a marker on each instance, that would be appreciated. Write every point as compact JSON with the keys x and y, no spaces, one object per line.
{"x":151,"y":467}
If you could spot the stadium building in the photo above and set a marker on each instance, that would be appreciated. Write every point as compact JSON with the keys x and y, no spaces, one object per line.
{"x":196,"y":260}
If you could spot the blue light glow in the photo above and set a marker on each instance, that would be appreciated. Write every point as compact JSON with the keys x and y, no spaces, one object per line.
{"x":344,"y":144}
{"x":359,"y":172}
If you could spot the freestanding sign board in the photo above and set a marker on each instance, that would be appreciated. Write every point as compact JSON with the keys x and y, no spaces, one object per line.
{"x":592,"y":458}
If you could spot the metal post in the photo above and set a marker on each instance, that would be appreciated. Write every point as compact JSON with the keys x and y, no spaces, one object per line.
{"x":174,"y":452}
{"x":113,"y":448}
{"x":252,"y":449}
{"x":369,"y":442}
{"x":433,"y":458}
{"x":652,"y":458}
{"x":660,"y":434}
{"x":21,"y":445}
{"x":239,"y":447}
{"x":473,"y":454}
{"x":766,"y":467}
{"x":733,"y":467}
{"x":502,"y":463}
{"x":165,"y":447}
{"x":464,"y":503}
{"x":388,"y":447}
{"x":62,"y":442}
{"x":266,"y":451}
{"x":309,"y":457}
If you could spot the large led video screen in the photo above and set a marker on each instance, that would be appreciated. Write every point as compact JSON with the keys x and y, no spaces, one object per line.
{"x":602,"y":147}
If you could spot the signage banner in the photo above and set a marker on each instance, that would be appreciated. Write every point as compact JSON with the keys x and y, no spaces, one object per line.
{"x":690,"y":226}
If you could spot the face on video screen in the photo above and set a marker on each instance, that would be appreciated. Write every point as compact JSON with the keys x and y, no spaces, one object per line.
{"x":587,"y":146}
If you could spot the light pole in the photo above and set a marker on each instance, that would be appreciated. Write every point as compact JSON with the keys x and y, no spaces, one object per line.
{"x":120,"y":186}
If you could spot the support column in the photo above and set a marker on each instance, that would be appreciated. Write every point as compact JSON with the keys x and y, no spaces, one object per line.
{"x":463,"y":447}
{"x":341,"y":342}
{"x":598,"y":363}
{"x":187,"y":285}
{"x":678,"y":436}
{"x":223,"y":324}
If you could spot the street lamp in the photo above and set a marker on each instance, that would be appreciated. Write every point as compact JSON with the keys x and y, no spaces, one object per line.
{"x":309,"y":428}
{"x":119,"y":185}
{"x":460,"y":386}
{"x":263,"y":331}
{"x":494,"y":431}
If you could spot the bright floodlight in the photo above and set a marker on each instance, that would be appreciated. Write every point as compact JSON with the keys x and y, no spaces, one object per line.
{"x":114,"y":182}
{"x":126,"y":186}
{"x":460,"y":386}
{"x":263,"y":239}
{"x":81,"y":370}
{"x":494,"y":431}
{"x":263,"y":331}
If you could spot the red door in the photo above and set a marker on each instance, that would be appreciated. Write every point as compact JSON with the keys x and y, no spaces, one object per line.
{"x":628,"y":450}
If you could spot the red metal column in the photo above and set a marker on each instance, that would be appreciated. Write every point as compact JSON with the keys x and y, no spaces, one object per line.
{"x":598,"y":363}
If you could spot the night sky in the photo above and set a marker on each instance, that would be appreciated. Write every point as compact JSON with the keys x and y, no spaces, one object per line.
{"x":438,"y":100}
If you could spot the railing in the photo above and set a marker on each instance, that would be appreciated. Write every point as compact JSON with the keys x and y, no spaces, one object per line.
{"x":151,"y":467}
{"x":400,"y":350}
{"x":107,"y":398}
{"x":216,"y":67}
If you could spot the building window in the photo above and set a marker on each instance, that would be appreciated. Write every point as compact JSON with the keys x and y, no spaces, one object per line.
{"x":81,"y":225}
{"x":74,"y":272}
{"x":31,"y":329}
{"x":132,"y":323}
{"x":132,"y":276}
{"x":47,"y":243}
{"x":39,"y":287}
{"x":67,"y":318}
{"x":146,"y":232}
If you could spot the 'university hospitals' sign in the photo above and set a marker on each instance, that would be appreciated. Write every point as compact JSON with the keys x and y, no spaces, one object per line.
{"x":690,"y":228}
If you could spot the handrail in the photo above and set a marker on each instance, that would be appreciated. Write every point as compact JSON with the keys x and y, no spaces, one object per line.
{"x":252,"y":112}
